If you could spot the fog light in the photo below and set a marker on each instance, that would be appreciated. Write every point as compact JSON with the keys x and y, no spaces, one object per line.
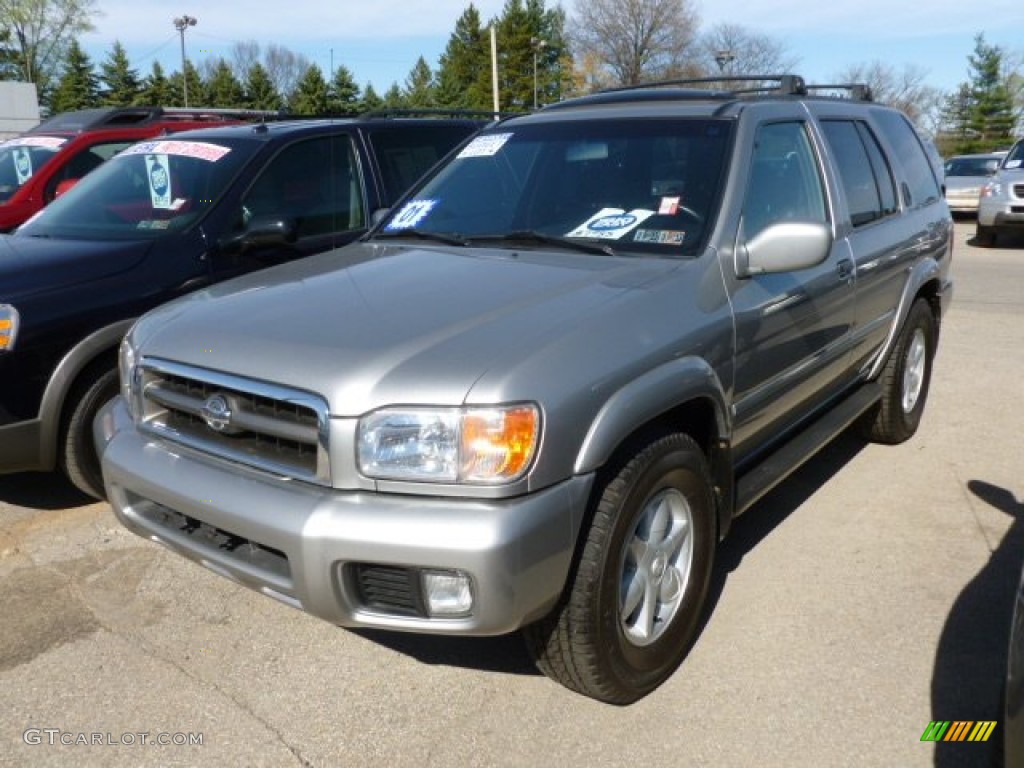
{"x":447,"y":593}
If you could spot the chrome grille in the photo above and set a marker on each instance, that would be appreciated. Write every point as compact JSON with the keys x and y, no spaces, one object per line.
{"x":274,"y":428}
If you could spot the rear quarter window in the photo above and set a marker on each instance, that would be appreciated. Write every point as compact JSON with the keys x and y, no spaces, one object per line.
{"x":919,"y":185}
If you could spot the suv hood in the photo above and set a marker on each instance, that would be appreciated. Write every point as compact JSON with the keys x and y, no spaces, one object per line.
{"x":370,"y":325}
{"x":32,"y":265}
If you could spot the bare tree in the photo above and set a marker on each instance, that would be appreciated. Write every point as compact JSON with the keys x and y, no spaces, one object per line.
{"x":42,"y":30}
{"x":732,"y":49}
{"x":636,"y":40}
{"x":243,"y":57}
{"x":285,"y":68}
{"x":904,"y":89}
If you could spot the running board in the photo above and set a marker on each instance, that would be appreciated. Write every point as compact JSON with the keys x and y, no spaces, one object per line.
{"x":786,"y":459}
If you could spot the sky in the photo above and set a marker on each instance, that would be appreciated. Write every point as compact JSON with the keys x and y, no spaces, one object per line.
{"x":381,"y":41}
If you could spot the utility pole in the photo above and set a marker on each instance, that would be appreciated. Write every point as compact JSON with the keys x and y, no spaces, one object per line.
{"x":181,"y":23}
{"x":538,"y":45}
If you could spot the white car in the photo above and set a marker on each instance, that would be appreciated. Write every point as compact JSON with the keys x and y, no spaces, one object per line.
{"x":965,"y":176}
{"x":1001,"y":205}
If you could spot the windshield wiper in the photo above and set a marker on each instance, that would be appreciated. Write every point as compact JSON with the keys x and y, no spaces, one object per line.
{"x":533,"y":236}
{"x":421,"y":234}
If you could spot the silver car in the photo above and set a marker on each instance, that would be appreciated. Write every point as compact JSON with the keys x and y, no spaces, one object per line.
{"x":1001,"y":205}
{"x":965,"y":176}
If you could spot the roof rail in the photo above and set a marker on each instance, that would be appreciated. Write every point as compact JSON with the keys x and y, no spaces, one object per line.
{"x":437,"y":112}
{"x":857,"y":91}
{"x":787,"y":85}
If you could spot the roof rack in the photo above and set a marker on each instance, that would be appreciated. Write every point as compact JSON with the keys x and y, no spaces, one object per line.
{"x":857,"y":91}
{"x":110,"y":117}
{"x":786,"y":85}
{"x":437,"y":112}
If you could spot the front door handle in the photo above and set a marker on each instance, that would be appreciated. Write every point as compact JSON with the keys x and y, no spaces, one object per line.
{"x":845,"y":270}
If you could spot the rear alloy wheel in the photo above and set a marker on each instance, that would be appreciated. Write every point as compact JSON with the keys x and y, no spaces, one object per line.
{"x":905,"y":380}
{"x":78,"y":452}
{"x":634,"y":602}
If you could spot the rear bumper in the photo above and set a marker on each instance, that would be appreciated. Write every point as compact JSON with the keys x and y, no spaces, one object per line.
{"x":304,"y":545}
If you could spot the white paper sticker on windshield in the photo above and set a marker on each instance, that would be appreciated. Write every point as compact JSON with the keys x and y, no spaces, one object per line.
{"x":1012,"y":164}
{"x":158,"y":171}
{"x":485,"y":146}
{"x":50,"y":142}
{"x":22,"y":164}
{"x":200,"y":150}
{"x":412,"y":213}
{"x":611,"y":223}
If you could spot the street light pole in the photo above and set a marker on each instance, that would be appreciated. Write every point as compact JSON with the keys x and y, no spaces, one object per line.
{"x":181,"y":23}
{"x":537,"y":44}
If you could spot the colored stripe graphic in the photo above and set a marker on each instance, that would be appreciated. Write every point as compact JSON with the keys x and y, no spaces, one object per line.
{"x":959,"y":730}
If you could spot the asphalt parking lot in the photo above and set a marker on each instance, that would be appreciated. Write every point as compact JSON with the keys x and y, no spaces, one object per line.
{"x":867,"y":596}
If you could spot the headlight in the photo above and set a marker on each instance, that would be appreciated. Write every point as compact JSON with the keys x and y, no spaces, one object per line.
{"x":126,"y":371}
{"x":481,"y":446}
{"x":992,"y":189}
{"x":9,"y":319}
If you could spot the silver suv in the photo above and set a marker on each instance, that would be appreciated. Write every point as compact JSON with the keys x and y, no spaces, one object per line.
{"x":538,"y":393}
{"x":1001,"y":206}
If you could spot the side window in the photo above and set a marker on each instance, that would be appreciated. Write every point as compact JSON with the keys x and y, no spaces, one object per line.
{"x":863,"y":171}
{"x":921,"y":186}
{"x":86,"y":160}
{"x":405,"y":155}
{"x":316,"y":182}
{"x":785,"y":181}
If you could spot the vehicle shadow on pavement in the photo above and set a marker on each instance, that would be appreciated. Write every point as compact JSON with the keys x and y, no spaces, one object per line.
{"x":506,"y":653}
{"x":970,"y":661}
{"x":41,"y":490}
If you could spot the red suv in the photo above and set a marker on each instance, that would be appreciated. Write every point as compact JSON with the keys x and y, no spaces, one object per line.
{"x":41,"y":163}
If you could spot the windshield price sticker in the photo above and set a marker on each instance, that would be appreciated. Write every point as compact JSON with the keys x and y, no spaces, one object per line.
{"x":660,"y":236}
{"x":158,"y":171}
{"x":611,"y":223}
{"x":412,"y":213}
{"x":49,"y":142}
{"x":22,"y":164}
{"x":485,"y":146}
{"x":200,"y":150}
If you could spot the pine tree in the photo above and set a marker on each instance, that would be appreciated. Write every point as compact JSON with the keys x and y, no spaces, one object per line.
{"x":419,"y":86}
{"x":223,"y":89}
{"x":371,"y":100}
{"x":464,"y":69}
{"x":310,"y":97}
{"x":122,"y":83}
{"x":260,"y":92}
{"x":992,"y":116}
{"x":78,"y":86}
{"x":196,"y":96}
{"x":343,"y":93}
{"x":156,"y":90}
{"x":394,"y":98}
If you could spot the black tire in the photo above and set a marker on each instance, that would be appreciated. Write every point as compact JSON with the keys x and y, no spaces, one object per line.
{"x":78,"y":453}
{"x":984,"y":237}
{"x":905,"y":380}
{"x":591,"y":642}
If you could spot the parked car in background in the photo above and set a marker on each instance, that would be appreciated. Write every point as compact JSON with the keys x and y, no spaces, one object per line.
{"x":1001,"y":205}
{"x":165,"y":217}
{"x":45,"y":161}
{"x":538,"y":393}
{"x":965,"y":176}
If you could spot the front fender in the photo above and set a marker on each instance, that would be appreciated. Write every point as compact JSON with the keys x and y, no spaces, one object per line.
{"x":63,"y":379}
{"x":643,"y":400}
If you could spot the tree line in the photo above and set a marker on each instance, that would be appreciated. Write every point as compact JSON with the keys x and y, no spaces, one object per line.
{"x":539,"y":62}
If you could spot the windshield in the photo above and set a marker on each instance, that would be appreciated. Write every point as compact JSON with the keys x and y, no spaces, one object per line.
{"x":630,"y":185}
{"x":146,"y":191}
{"x":1016,"y":157}
{"x":22,"y":158}
{"x":972,"y":166}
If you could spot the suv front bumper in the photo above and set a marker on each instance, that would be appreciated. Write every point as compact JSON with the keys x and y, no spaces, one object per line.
{"x":314,"y":548}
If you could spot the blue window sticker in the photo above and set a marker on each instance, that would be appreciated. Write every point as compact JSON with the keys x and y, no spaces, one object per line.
{"x":611,"y":223}
{"x":158,"y":170}
{"x":411,"y":214}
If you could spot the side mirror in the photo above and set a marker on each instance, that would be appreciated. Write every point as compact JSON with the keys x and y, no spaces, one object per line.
{"x":784,"y":247}
{"x":262,"y":232}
